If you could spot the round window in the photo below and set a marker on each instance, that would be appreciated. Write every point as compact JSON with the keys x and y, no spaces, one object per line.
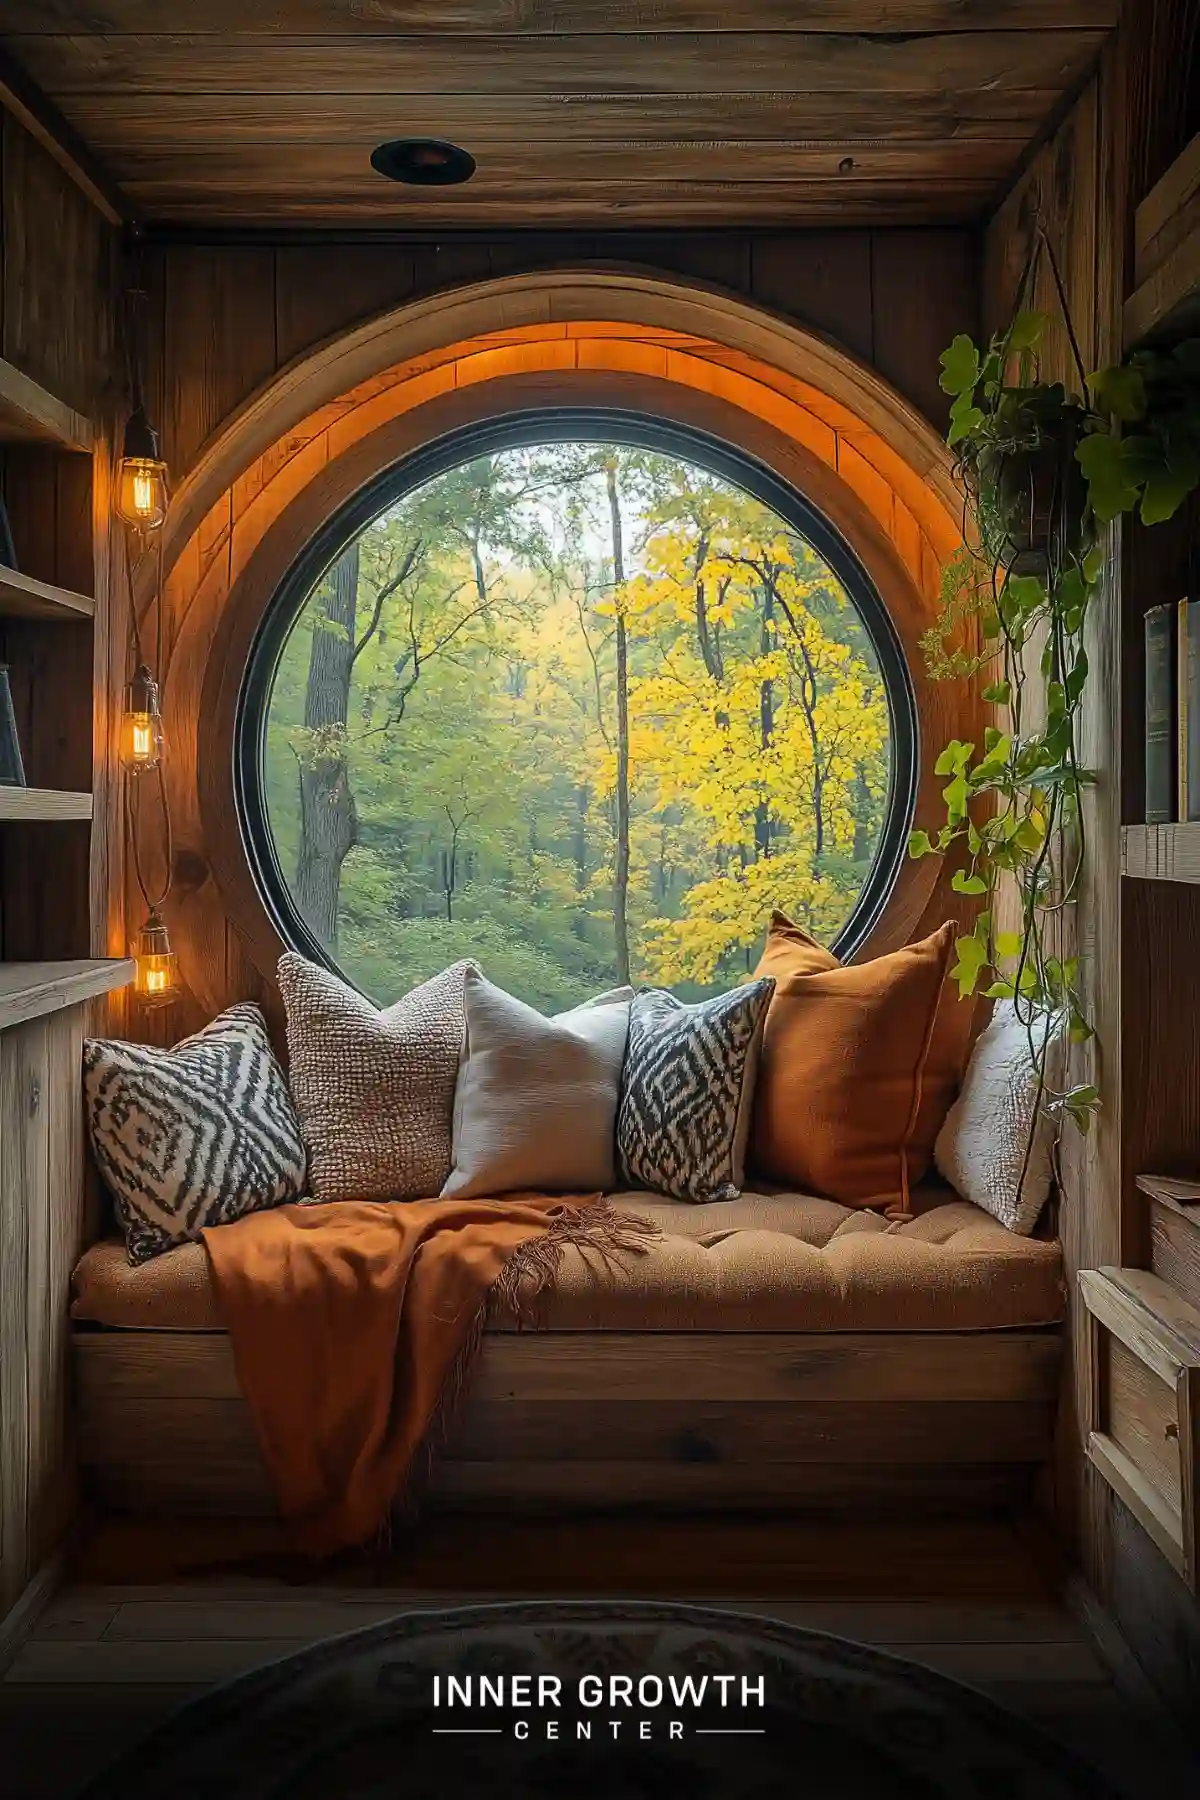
{"x":584,"y":697}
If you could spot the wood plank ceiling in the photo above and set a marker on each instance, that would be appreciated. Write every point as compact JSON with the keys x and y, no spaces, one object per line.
{"x":767,"y":112}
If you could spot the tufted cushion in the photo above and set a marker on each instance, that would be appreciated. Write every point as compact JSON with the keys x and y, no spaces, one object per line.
{"x":765,"y":1262}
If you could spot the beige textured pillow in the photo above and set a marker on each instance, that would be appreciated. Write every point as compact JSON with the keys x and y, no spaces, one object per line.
{"x":374,"y":1090}
{"x":536,"y":1102}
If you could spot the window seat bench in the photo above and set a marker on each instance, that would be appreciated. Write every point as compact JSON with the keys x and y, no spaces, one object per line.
{"x":777,"y":1352}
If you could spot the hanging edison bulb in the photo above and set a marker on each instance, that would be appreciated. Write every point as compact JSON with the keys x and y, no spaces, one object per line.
{"x":141,"y":723}
{"x":141,"y":475}
{"x":157,"y":980}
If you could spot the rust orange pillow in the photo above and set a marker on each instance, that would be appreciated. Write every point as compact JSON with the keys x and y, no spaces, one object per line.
{"x":849,"y":1100}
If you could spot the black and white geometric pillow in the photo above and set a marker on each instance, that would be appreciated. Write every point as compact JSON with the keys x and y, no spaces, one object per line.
{"x":193,"y":1136}
{"x":687,"y":1091}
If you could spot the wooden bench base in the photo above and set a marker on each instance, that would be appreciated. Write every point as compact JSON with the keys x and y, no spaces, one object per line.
{"x":588,"y":1421}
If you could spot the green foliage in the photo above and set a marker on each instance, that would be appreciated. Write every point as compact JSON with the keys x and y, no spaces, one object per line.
{"x":1043,"y":471}
{"x":479,"y":742}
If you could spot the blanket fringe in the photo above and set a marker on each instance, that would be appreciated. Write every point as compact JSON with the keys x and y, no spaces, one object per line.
{"x":598,"y":1229}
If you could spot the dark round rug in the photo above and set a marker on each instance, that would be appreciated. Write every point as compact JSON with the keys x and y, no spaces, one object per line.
{"x":594,"y":1700}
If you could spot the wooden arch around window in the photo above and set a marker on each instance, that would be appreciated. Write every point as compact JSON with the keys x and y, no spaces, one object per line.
{"x":292,"y":457}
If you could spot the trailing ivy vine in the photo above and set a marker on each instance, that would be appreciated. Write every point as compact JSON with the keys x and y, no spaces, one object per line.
{"x":1043,"y":470}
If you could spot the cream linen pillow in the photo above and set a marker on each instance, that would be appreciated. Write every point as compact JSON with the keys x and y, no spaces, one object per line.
{"x":980,"y":1149}
{"x":536,"y":1102}
{"x":374,"y":1090}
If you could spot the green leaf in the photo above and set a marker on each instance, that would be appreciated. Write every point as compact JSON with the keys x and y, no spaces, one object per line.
{"x":965,"y":417}
{"x":1119,"y":391}
{"x":999,"y":693}
{"x":999,"y":990}
{"x":1027,"y":330}
{"x":972,"y":956}
{"x":919,"y":844}
{"x":1008,"y":943}
{"x":1102,"y":461}
{"x":962,"y":883}
{"x":960,"y":366}
{"x":956,"y":794}
{"x":955,"y":758}
{"x":1093,"y":565}
{"x":1081,"y":1103}
{"x":1026,"y":595}
{"x":1168,"y":488}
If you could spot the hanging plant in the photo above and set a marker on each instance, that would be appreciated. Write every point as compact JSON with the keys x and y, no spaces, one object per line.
{"x":1043,"y":470}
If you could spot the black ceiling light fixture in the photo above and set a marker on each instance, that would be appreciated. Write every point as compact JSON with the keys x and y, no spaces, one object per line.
{"x":423,"y":162}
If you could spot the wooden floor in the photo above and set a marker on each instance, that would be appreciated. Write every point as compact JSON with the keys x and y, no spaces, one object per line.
{"x":151,"y":1616}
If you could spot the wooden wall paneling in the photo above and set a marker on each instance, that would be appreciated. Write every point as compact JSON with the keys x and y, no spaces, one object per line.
{"x":219,"y":340}
{"x":1074,"y":191}
{"x":67,"y":1215}
{"x":822,"y":278}
{"x":14,"y":1421}
{"x":321,"y":289}
{"x":450,"y":262}
{"x":1160,"y":1068}
{"x":24,"y":1257}
{"x":924,"y":290}
{"x":1158,"y":1616}
{"x":57,"y":314}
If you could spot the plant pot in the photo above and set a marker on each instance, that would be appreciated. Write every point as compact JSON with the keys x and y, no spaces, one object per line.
{"x":1037,"y":498}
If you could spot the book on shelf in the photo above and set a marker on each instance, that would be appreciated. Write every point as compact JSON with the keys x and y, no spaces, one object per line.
{"x":1162,"y":713}
{"x":1187,"y":638}
{"x":1173,"y":712}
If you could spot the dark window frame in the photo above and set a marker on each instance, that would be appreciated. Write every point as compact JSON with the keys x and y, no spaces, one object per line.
{"x":580,"y":424}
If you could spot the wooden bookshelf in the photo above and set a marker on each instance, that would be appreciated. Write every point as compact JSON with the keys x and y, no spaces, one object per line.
{"x":43,"y":805}
{"x":30,"y":414}
{"x":1161,"y":852}
{"x":31,"y":990}
{"x":1166,"y":296}
{"x":22,"y":597}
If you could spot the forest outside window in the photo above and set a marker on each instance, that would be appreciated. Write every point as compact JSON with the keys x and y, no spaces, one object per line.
{"x":584,"y":705}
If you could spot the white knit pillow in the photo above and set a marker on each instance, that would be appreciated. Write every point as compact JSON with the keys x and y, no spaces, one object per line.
{"x":374,"y":1090}
{"x":981,"y":1147}
{"x":536,"y":1102}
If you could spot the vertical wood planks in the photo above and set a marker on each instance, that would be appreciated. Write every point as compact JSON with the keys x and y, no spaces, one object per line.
{"x":24,"y":1180}
{"x":41,"y":1231}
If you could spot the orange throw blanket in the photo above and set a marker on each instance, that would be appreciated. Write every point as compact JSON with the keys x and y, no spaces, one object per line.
{"x":354,"y":1324}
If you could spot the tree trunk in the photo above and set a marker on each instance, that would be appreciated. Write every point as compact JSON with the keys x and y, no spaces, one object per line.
{"x":583,"y":800}
{"x":766,"y":711}
{"x":621,"y":860}
{"x":328,"y":818}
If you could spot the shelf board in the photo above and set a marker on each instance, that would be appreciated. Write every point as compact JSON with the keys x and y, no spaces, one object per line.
{"x":1166,"y":298}
{"x":29,"y":990}
{"x":28,"y":413}
{"x":1181,"y":1196}
{"x":44,"y":805}
{"x":1161,"y":852}
{"x":21,"y":597}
